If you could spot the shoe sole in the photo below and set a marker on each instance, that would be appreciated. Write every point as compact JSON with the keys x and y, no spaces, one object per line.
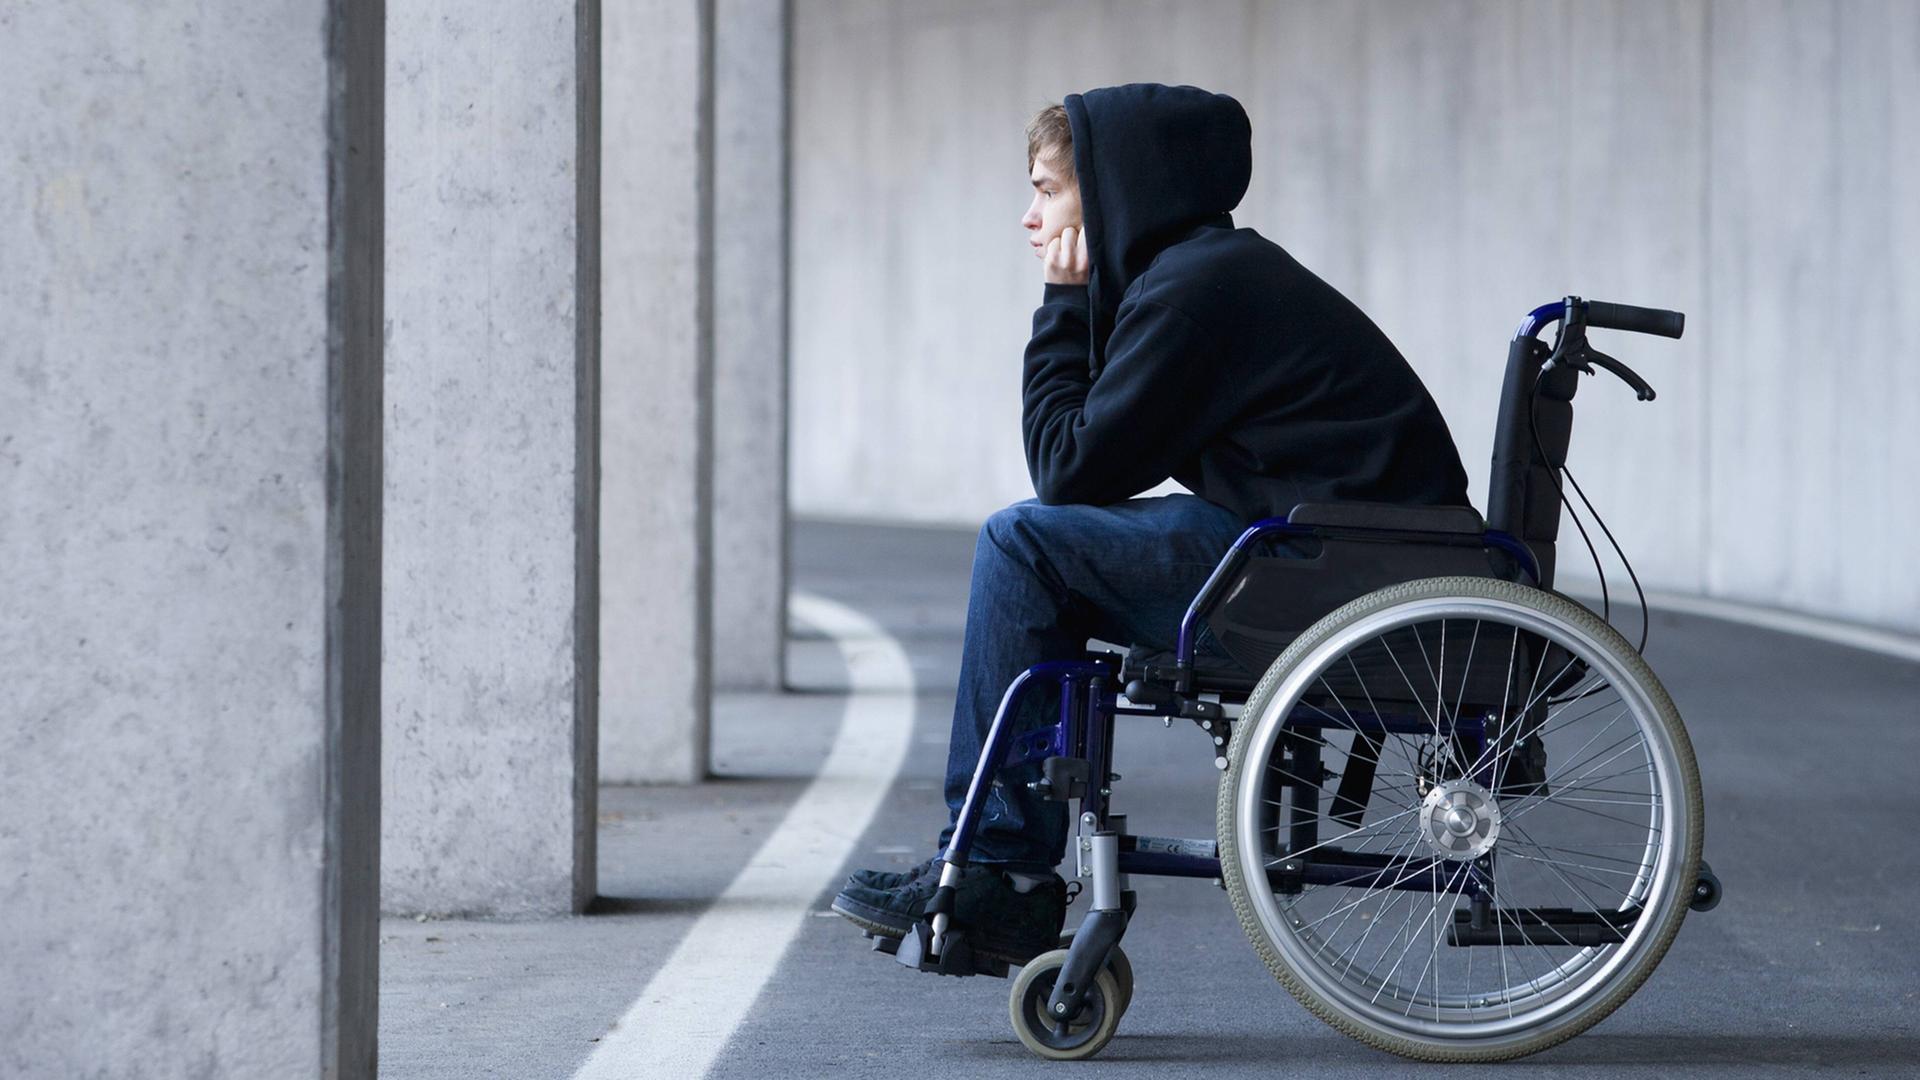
{"x":865,"y":923}
{"x":853,"y":913}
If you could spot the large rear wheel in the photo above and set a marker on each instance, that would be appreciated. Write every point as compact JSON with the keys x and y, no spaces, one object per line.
{"x":1461,"y":819}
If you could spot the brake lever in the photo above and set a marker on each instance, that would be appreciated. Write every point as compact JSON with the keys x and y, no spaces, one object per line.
{"x":1626,"y":374}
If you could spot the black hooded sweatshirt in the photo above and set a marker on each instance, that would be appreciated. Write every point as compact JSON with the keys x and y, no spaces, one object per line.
{"x":1203,"y":352}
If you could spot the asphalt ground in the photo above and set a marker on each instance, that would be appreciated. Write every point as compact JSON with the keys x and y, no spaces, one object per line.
{"x":1810,"y":966}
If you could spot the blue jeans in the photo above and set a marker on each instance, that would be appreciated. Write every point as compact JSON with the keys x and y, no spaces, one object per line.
{"x":1045,"y":579}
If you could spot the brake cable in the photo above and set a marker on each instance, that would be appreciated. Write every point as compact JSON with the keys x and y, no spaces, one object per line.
{"x":1572,"y":350}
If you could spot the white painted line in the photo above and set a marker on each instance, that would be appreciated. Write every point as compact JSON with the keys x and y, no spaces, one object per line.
{"x":1872,"y":639}
{"x":682,"y":1020}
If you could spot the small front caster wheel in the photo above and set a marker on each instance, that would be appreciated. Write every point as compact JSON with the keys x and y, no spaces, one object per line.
{"x":1706,"y":889}
{"x":1074,"y":1038}
{"x":1117,"y":963}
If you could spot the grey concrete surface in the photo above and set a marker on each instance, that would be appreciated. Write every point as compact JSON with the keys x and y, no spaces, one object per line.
{"x":1804,"y":970}
{"x":750,"y":342}
{"x":1751,"y":164}
{"x":466,"y":998}
{"x":189,"y":529}
{"x":656,"y":384}
{"x":484,"y":724}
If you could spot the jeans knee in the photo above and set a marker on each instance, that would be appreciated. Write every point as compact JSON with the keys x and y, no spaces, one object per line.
{"x":1021,"y":527}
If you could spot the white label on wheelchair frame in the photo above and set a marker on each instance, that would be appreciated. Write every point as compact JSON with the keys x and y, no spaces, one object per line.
{"x":1166,"y":845}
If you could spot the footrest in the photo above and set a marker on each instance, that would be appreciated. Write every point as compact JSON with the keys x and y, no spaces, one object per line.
{"x":956,"y":955}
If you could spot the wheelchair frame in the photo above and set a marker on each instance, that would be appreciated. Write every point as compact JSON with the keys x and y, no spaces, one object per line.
{"x":1078,"y":747}
{"x":1076,"y":751}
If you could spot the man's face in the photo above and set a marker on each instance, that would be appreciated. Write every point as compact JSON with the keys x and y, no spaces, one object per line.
{"x":1056,"y":205}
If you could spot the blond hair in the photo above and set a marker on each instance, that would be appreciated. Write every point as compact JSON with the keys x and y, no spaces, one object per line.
{"x":1050,"y":139}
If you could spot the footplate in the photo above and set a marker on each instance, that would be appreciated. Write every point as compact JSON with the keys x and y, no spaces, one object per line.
{"x":956,"y":957}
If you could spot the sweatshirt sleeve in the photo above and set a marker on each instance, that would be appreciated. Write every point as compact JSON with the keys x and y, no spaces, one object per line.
{"x":1103,"y":440}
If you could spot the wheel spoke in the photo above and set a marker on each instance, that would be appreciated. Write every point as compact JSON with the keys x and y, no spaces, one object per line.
{"x":1399,"y":740}
{"x":1337,"y":839}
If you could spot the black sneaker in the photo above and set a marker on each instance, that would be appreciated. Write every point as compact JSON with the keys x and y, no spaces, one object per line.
{"x":892,"y":879}
{"x":1004,"y":924}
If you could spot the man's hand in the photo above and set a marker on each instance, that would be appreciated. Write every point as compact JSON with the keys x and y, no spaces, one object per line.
{"x":1066,"y":258}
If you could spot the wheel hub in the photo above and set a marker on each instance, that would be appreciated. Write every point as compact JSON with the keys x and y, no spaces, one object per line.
{"x":1460,"y":820}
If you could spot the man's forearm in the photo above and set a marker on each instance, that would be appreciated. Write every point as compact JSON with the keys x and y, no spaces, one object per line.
{"x":1099,"y":439}
{"x":1058,"y":371}
{"x":1062,"y":333}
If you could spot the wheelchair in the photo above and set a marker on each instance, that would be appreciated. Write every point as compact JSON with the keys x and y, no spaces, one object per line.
{"x":1458,"y":817}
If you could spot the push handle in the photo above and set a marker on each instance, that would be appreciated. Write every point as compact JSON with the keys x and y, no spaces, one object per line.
{"x":1639,"y":320}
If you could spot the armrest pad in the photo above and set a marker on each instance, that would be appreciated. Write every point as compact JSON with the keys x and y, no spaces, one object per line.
{"x":1454,"y":520}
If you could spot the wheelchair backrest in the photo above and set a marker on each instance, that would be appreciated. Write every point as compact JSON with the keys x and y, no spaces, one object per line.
{"x":1521,"y":497}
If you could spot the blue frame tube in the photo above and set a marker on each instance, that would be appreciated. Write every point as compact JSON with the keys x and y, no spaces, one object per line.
{"x":1000,"y":740}
{"x":1228,"y":566}
{"x":1540,"y":318}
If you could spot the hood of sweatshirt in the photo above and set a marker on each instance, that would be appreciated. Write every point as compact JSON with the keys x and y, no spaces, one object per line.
{"x":1153,"y":163}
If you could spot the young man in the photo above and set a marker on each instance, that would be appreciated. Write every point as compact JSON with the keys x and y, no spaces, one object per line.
{"x":1167,"y":344}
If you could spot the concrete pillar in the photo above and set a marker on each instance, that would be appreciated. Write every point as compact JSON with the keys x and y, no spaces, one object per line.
{"x":750,"y":343}
{"x":492,"y":546}
{"x":656,"y":498}
{"x":190,"y":402}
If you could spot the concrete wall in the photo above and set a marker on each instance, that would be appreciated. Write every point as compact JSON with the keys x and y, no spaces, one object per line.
{"x":492,"y":548}
{"x":190,"y":538}
{"x":1811,"y":231}
{"x":1756,"y":166}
